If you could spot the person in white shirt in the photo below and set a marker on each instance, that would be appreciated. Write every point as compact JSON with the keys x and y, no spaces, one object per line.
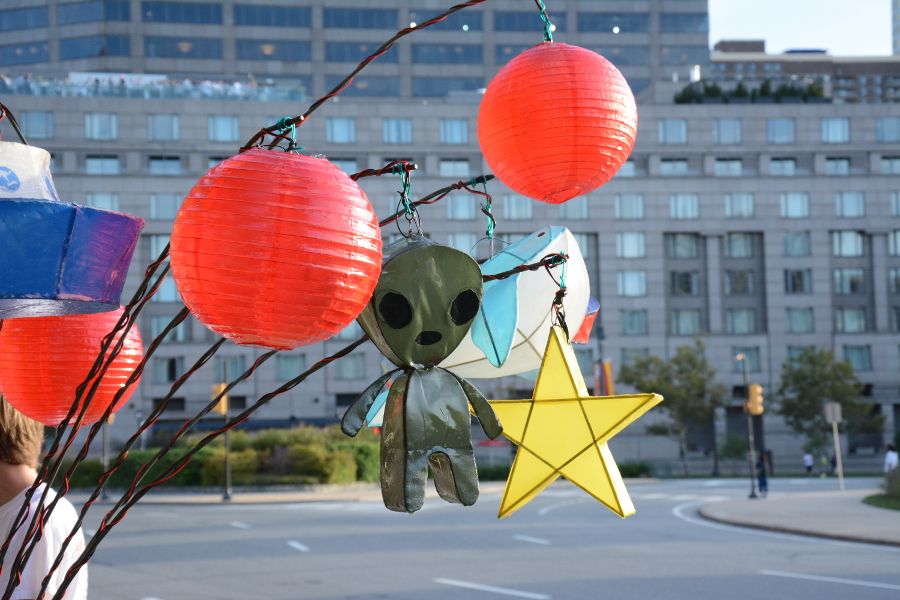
{"x":20,"y":447}
{"x":890,"y":459}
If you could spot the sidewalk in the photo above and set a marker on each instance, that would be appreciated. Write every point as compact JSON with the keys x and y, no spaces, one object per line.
{"x":838,"y":515}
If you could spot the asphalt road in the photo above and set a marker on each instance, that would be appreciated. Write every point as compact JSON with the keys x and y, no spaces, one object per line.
{"x":563,"y":546}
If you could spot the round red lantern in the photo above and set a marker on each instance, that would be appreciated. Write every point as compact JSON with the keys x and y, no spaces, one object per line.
{"x":43,"y":360}
{"x":276,"y":249}
{"x":557,"y":122}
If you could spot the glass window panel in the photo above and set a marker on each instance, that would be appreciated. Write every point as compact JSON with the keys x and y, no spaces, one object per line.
{"x":740,"y":321}
{"x":273,"y":50}
{"x":576,"y":208}
{"x":272,"y":16}
{"x":633,"y":322}
{"x":837,"y":166}
{"x":162,"y":127}
{"x":159,"y":322}
{"x":683,"y":245}
{"x":24,"y":53}
{"x":453,"y":167}
{"x":521,"y":20}
{"x":288,"y":366}
{"x":397,"y":131}
{"x":672,"y":131}
{"x":727,"y":167}
{"x":673,"y":166}
{"x":835,"y":130}
{"x":23,"y":18}
{"x":894,"y":280}
{"x":797,"y":243}
{"x":739,"y":245}
{"x":465,"y":20}
{"x":360,"y":18}
{"x":447,"y":54}
{"x":454,"y":131}
{"x":781,"y":131}
{"x":894,"y":243}
{"x":164,"y":165}
{"x":167,"y":370}
{"x":887,"y":129}
{"x":850,"y":204}
{"x":167,"y":291}
{"x":684,"y":283}
{"x":751,"y":355}
{"x":614,"y":22}
{"x":349,"y":166}
{"x":352,"y":331}
{"x":859,"y":357}
{"x":797,"y":281}
{"x":684,"y":22}
{"x":626,"y":56}
{"x":850,"y":320}
{"x":223,"y":128}
{"x":627,"y":169}
{"x":684,"y":55}
{"x":783,"y":167}
{"x":101,"y":126}
{"x":629,"y":206}
{"x":890,"y":165}
{"x":685,"y":322}
{"x":102,"y":200}
{"x":101,"y":164}
{"x":228,"y":368}
{"x":800,"y":320}
{"x":365,"y":85}
{"x":354,"y":52}
{"x":164,"y":206}
{"x":351,"y":369}
{"x":849,"y":281}
{"x":795,"y":205}
{"x":94,"y":46}
{"x":463,"y":242}
{"x":740,"y":283}
{"x":438,"y":87}
{"x":847,"y":243}
{"x":340,"y":130}
{"x":631,"y":283}
{"x":182,"y":47}
{"x":629,"y":355}
{"x":684,"y":206}
{"x":727,"y":131}
{"x":36,"y":125}
{"x":155,"y":11}
{"x":630,"y":245}
{"x":460,"y":208}
{"x":517,"y":207}
{"x":739,"y":206}
{"x":96,"y":10}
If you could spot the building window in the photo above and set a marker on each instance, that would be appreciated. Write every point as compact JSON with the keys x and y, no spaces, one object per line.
{"x":23,"y":18}
{"x":438,"y":87}
{"x":360,"y":18}
{"x":751,"y":356}
{"x":783,"y":167}
{"x":614,"y":22}
{"x":167,"y":291}
{"x":685,"y":322}
{"x":631,"y":283}
{"x":781,"y":131}
{"x":673,"y":131}
{"x":167,"y":370}
{"x":164,"y":207}
{"x":182,"y":47}
{"x":630,"y":245}
{"x":795,"y":205}
{"x":24,"y":53}
{"x":669,"y":167}
{"x":837,"y":165}
{"x":101,"y":164}
{"x":740,"y":321}
{"x":576,"y":208}
{"x":683,"y":245}
{"x":895,"y":318}
{"x":273,"y":50}
{"x":351,"y":369}
{"x":460,"y":208}
{"x":739,"y":206}
{"x":517,"y":208}
{"x":633,"y":322}
{"x":586,"y":243}
{"x":847,"y":243}
{"x":627,"y":169}
{"x":36,"y":125}
{"x":859,"y":357}
{"x":352,"y":331}
{"x":684,"y":22}
{"x":629,"y":206}
{"x":288,"y":366}
{"x":272,"y":16}
{"x":850,"y":320}
{"x":164,"y":165}
{"x":835,"y":130}
{"x":684,"y":206}
{"x":849,"y":281}
{"x":457,"y":168}
{"x":154,"y":11}
{"x":447,"y":54}
{"x":101,"y":126}
{"x":887,"y":129}
{"x":740,"y":283}
{"x":222,"y":128}
{"x":464,"y":242}
{"x":629,"y":355}
{"x":102,"y":200}
{"x":794,"y":352}
{"x":797,"y":243}
{"x":890,"y":165}
{"x":228,"y":368}
{"x":162,"y":127}
{"x":797,"y":281}
{"x":159,"y":322}
{"x":340,"y":130}
{"x":454,"y":131}
{"x":739,"y":245}
{"x":519,"y":20}
{"x":850,"y":204}
{"x":800,"y":320}
{"x":727,"y":131}
{"x":94,"y":46}
{"x":684,"y":283}
{"x":397,"y":131}
{"x":727,"y":167}
{"x":894,"y":281}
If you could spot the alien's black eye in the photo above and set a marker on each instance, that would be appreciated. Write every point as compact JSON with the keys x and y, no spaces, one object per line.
{"x":395,"y":310}
{"x":464,"y":307}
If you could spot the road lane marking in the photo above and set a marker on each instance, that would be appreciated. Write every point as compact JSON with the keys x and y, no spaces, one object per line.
{"x":489,"y":588}
{"x":654,"y":496}
{"x":556,"y":505}
{"x":678,"y":512}
{"x":532,"y":540}
{"x":872,"y":584}
{"x":298,"y":546}
{"x":239,"y":525}
{"x":160,"y":514}
{"x":683,"y":497}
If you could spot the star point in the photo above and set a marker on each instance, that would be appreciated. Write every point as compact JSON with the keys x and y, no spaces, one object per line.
{"x":562,"y":431}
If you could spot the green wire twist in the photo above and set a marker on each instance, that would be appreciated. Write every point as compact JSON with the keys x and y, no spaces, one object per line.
{"x":548,"y":24}
{"x":400,"y":169}
{"x":286,"y":123}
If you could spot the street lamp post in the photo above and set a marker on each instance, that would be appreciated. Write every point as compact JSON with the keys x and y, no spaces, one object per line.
{"x":751,"y":451}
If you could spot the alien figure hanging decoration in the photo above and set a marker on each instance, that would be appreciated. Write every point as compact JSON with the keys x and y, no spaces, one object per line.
{"x":422,"y":308}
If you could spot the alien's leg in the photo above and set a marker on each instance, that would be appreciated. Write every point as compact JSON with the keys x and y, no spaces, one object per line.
{"x":455,"y":475}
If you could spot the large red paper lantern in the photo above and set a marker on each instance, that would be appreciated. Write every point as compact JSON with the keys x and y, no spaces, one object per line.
{"x":43,"y":360}
{"x":276,"y":249}
{"x":557,"y":122}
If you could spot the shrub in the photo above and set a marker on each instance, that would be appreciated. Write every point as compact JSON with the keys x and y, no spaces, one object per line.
{"x":86,"y":475}
{"x":493,"y":473}
{"x":366,"y":456}
{"x":310,"y":463}
{"x":244,"y":465}
{"x":341,"y":467}
{"x":635,"y":469}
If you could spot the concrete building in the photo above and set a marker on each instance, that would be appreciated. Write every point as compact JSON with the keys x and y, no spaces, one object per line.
{"x":765,"y":228}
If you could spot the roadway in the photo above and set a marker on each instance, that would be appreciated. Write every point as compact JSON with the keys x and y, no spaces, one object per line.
{"x":563,"y":545}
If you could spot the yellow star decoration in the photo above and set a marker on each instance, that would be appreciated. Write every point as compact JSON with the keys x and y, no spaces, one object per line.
{"x":562,"y":430}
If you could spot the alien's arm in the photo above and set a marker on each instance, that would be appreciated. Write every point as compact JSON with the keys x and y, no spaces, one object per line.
{"x":483,"y":411}
{"x":355,"y":416}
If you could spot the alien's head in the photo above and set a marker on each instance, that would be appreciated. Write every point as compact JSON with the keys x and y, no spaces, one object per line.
{"x":424,"y":303}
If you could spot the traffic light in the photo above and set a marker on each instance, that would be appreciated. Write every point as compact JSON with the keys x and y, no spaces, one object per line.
{"x":754,"y":404}
{"x":222,"y":406}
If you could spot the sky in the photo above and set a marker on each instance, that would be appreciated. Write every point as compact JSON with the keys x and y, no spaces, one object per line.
{"x":843,"y":27}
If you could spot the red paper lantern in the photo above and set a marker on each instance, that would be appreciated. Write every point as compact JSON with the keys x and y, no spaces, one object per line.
{"x":276,"y":249}
{"x":557,"y":122}
{"x":43,"y":360}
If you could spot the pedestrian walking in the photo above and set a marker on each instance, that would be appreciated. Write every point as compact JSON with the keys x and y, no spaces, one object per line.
{"x":762,"y":474}
{"x":808,"y":463}
{"x":890,"y":459}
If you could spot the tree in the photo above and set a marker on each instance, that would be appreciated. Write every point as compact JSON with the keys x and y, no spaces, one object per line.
{"x":812,"y":379}
{"x":690,"y":394}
